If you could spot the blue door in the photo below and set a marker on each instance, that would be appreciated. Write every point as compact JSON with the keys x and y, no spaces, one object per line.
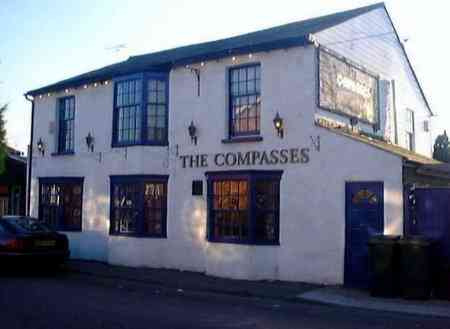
{"x":364,"y":218}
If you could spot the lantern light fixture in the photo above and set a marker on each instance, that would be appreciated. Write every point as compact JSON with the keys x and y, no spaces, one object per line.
{"x":40,"y":146}
{"x":90,"y":142}
{"x":278,"y":124}
{"x":192,"y":129}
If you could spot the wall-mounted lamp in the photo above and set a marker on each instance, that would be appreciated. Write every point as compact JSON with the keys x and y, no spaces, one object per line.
{"x":278,"y":124}
{"x":41,"y":146}
{"x":90,"y":142}
{"x":193,"y":132}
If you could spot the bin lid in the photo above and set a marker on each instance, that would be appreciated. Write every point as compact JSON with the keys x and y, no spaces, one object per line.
{"x":417,"y":240}
{"x":383,"y":239}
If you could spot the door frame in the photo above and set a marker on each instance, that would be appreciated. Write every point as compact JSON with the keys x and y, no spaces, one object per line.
{"x":347,"y":218}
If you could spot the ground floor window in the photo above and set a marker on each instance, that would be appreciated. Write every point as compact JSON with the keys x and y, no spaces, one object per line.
{"x":139,"y":205}
{"x":60,"y":202}
{"x":244,"y":206}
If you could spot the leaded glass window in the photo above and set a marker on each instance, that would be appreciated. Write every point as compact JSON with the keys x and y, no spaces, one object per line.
{"x":230,"y":209}
{"x":156,"y":110}
{"x":140,"y":110}
{"x":139,"y":205}
{"x":243,"y":207}
{"x":60,"y":203}
{"x":128,"y":111}
{"x":245,"y":100}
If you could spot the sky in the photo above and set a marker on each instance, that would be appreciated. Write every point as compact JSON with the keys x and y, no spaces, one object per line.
{"x":45,"y":41}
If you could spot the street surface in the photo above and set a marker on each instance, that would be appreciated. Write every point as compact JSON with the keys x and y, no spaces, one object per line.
{"x":67,"y":300}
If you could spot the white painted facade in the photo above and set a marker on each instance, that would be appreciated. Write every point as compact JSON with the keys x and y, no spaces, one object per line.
{"x":312,"y":204}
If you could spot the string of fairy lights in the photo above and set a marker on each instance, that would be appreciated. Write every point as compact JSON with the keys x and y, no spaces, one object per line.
{"x":72,"y":89}
{"x":195,"y":66}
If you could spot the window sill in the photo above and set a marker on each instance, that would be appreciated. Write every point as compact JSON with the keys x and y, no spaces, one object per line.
{"x":138,"y":236}
{"x":118,"y":145}
{"x":63,"y":153}
{"x":244,"y":139}
{"x":247,"y":243}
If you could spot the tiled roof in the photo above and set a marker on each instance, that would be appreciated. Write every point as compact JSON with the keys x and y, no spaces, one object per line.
{"x":289,"y":35}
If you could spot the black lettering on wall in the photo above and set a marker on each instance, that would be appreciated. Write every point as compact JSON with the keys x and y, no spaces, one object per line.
{"x":243,"y":158}
{"x":274,"y":159}
{"x":204,"y":160}
{"x":294,"y":156}
{"x":304,"y":155}
{"x":284,"y":156}
{"x":255,"y":156}
{"x":230,"y":159}
{"x":183,"y":159}
{"x":219,"y":159}
{"x":264,"y":159}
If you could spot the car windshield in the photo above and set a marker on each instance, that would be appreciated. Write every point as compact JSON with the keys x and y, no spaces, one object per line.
{"x":25,"y":224}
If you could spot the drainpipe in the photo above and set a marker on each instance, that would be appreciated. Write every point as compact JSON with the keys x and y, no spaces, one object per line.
{"x":30,"y":156}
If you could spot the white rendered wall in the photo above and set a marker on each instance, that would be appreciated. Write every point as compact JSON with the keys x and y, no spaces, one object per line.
{"x":312,"y":209}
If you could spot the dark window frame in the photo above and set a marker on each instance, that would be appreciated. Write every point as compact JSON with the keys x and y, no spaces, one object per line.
{"x":60,"y":225}
{"x":62,"y":128}
{"x":139,"y":180}
{"x":252,"y":177}
{"x":410,"y":130}
{"x":232,"y":134}
{"x":144,"y":79}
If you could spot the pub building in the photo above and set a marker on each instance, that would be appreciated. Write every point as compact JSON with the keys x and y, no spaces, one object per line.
{"x":270,"y":155}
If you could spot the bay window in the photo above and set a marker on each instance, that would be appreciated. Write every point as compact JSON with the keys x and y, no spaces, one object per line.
{"x":140,"y":110}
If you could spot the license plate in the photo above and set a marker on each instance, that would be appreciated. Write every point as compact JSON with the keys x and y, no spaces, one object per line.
{"x":45,"y":243}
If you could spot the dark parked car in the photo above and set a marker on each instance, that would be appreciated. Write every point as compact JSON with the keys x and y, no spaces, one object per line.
{"x":25,"y":241}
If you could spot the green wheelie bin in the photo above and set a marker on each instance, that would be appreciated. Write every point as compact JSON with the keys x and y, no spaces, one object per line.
{"x":416,"y":271}
{"x":383,"y":265}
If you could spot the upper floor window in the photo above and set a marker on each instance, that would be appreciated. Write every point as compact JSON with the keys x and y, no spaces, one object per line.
{"x":156,"y":110}
{"x":245,"y":100}
{"x":140,"y":111}
{"x":243,"y":207}
{"x":410,"y":130}
{"x":128,"y":111}
{"x":139,"y":205}
{"x":66,"y":123}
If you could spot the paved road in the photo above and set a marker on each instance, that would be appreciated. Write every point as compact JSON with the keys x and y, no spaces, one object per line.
{"x":66,"y":301}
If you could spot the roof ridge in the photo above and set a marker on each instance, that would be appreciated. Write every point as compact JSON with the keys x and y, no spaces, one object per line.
{"x":283,"y":36}
{"x":363,"y":9}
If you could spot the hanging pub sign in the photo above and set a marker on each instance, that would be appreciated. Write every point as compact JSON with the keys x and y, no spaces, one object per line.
{"x":344,"y":88}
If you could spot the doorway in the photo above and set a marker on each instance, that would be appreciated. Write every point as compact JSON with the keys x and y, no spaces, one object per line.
{"x":364,"y":218}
